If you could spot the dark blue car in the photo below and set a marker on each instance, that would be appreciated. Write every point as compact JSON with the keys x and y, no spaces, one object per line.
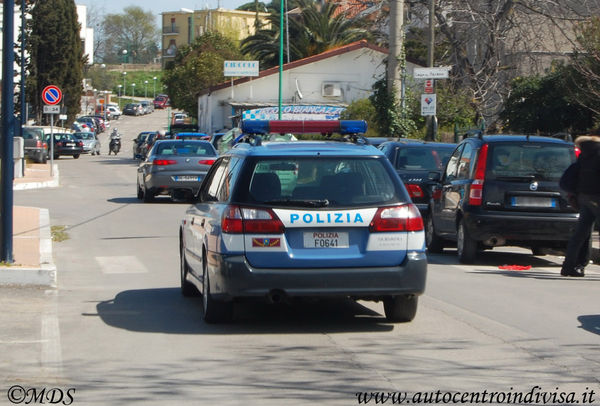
{"x":303,"y":219}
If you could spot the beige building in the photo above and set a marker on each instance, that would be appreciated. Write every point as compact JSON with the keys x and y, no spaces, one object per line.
{"x":181,"y":27}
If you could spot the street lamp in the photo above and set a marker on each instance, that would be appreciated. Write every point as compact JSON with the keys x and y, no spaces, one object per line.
{"x":125,"y":56}
{"x":120,"y":86}
{"x":145,"y":89}
{"x":95,"y":101}
{"x":124,"y":87}
{"x":133,"y":90}
{"x":154,"y":92}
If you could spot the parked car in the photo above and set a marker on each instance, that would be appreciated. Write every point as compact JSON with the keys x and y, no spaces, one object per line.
{"x":175,"y":168}
{"x":191,"y":136}
{"x":303,"y":219}
{"x":115,"y":113}
{"x":132,"y":109}
{"x":161,"y":102}
{"x":138,"y":142}
{"x":180,"y":118}
{"x":91,"y":144}
{"x":35,"y":145}
{"x":414,"y":160}
{"x":66,"y":144}
{"x":147,"y":106}
{"x":502,"y":190}
{"x":90,"y":123}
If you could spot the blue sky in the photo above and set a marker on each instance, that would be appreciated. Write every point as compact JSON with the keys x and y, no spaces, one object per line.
{"x":158,"y":6}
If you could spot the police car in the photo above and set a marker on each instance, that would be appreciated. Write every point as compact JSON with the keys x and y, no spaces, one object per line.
{"x":283,"y":220}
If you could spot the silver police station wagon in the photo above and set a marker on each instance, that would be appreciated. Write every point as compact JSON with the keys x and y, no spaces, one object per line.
{"x":284,"y":220}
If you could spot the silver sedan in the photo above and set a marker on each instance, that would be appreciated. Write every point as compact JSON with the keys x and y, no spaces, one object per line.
{"x":175,"y":168}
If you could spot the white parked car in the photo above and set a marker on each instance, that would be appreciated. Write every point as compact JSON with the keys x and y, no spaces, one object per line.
{"x":114,"y":112}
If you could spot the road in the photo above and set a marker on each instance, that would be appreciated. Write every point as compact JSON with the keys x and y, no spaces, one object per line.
{"x":118,"y":332}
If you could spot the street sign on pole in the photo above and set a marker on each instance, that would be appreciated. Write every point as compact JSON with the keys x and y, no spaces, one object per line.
{"x":432,"y":73}
{"x":428,"y":86}
{"x":51,"y":109}
{"x":51,"y":95}
{"x":428,"y":104}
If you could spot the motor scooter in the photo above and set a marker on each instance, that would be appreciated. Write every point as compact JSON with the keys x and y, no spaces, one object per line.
{"x":115,"y":142}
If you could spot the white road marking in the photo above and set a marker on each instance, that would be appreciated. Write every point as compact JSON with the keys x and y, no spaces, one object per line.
{"x":121,"y":265}
{"x":51,"y":356}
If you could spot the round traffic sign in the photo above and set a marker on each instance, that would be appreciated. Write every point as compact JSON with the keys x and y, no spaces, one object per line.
{"x":51,"y":95}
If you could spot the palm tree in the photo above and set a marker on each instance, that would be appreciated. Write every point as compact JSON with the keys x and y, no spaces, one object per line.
{"x":316,"y":30}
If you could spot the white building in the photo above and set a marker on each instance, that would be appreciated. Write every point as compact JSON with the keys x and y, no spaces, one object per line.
{"x":315,"y":86}
{"x":86,"y":34}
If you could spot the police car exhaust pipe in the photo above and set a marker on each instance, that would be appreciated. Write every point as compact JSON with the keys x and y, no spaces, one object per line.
{"x":276,"y":296}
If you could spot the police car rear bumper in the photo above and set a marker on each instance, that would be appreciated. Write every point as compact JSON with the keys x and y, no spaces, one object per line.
{"x":232,"y":276}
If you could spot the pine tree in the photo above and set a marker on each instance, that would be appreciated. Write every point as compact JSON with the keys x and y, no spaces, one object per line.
{"x":56,"y":55}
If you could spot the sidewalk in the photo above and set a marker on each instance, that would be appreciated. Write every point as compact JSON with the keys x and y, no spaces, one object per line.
{"x":32,"y":241}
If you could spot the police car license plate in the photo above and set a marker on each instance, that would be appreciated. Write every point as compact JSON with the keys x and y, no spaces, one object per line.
{"x":326,"y":239}
{"x":187,"y":178}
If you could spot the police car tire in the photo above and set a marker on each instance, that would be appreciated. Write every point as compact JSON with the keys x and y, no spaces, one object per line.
{"x":435,"y":244}
{"x":466,"y":247}
{"x":214,"y":311}
{"x":400,"y":309}
{"x":187,"y":288}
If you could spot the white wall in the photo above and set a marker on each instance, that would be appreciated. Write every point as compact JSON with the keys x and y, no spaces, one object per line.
{"x":354,"y":72}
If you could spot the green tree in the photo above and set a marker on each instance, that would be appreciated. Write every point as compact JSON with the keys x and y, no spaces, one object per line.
{"x":56,"y":55}
{"x":546,"y":104}
{"x":198,"y":67}
{"x":133,"y":31}
{"x":317,"y":29}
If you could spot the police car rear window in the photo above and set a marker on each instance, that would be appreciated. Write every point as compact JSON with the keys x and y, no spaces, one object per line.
{"x":321,"y":182}
{"x":534,"y":161}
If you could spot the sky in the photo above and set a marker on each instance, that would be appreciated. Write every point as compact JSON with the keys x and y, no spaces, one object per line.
{"x":158,"y":6}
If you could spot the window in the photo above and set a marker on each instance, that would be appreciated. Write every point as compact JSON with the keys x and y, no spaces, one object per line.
{"x":465,"y":164}
{"x":453,"y":165}
{"x":213,"y":182}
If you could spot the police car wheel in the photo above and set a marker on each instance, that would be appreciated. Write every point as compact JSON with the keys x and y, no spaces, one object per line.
{"x":214,"y":311}
{"x":400,"y":309}
{"x":187,"y":288}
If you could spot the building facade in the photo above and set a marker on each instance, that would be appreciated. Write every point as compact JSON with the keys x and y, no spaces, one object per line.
{"x":316,"y":86}
{"x":181,"y":27}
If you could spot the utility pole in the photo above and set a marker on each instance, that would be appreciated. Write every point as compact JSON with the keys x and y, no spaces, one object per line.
{"x":393,"y":73}
{"x":431,"y":121}
{"x":8,"y":132}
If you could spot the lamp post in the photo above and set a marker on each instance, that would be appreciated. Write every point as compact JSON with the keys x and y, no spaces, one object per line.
{"x":120,"y":86}
{"x":125,"y":59}
{"x":95,"y":101}
{"x":133,"y":90}
{"x":105,"y":103}
{"x":145,"y":89}
{"x":154,"y":92}
{"x":124,"y":87}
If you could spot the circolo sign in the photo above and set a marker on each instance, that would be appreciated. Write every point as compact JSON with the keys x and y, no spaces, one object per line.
{"x":51,"y":95}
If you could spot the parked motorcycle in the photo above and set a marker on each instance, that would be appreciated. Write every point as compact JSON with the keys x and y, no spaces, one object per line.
{"x":115,"y":142}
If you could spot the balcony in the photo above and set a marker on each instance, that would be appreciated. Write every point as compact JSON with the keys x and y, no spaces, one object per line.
{"x":170,"y":30}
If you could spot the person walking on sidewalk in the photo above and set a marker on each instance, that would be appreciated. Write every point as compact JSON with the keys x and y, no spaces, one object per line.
{"x":587,"y":194}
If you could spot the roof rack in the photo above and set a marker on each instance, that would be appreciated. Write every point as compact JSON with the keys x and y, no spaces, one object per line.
{"x":349,"y":129}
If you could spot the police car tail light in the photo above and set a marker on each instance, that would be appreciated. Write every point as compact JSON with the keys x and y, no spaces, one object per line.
{"x":414,"y":190}
{"x":398,"y":218}
{"x":476,"y":190}
{"x":261,"y":221}
{"x":164,"y":162}
{"x":232,"y":222}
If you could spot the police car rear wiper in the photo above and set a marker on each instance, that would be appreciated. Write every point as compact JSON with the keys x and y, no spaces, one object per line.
{"x":303,"y":203}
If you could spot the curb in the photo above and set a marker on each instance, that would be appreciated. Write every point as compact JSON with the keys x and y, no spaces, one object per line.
{"x":41,"y":184}
{"x":45,"y":274}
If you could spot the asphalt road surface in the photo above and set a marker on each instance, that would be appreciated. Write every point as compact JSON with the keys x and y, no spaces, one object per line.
{"x":117,"y":331}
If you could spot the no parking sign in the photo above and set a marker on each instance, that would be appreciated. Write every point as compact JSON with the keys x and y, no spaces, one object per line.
{"x":51,"y":95}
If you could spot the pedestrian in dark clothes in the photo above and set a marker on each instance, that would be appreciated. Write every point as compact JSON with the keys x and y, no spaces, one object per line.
{"x":588,"y":202}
